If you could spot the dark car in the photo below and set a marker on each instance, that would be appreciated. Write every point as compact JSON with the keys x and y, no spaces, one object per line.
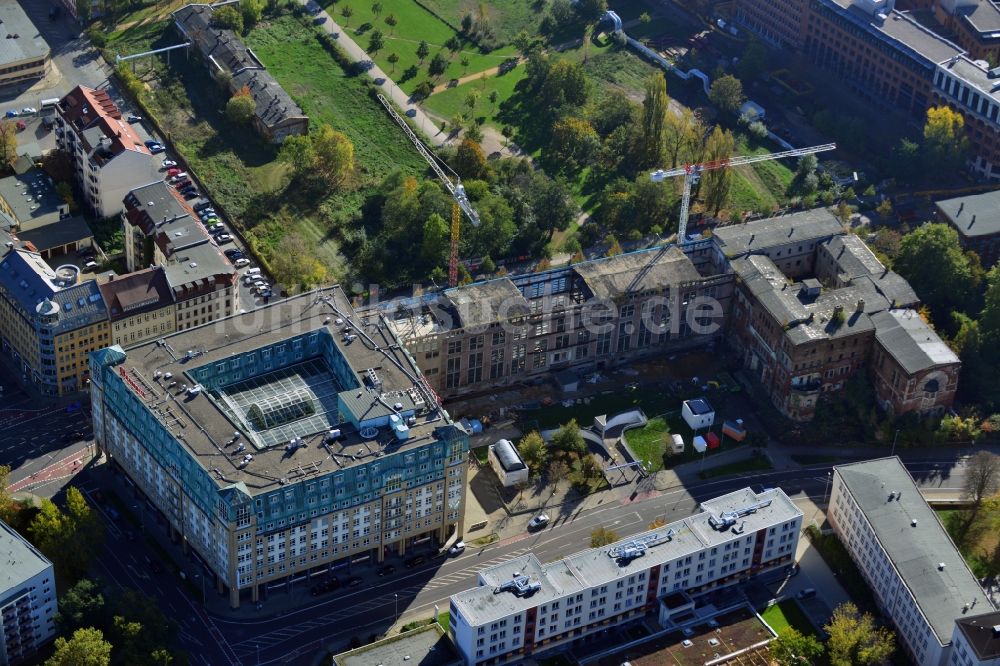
{"x":157,"y":149}
{"x":134,"y":119}
{"x":386,"y":570}
{"x":182,"y":184}
{"x":191,"y":194}
{"x":233,"y":253}
{"x":189,"y":188}
{"x":415,"y":561}
{"x":202,"y":205}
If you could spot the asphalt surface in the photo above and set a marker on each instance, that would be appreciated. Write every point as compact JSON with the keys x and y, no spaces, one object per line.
{"x":331,"y":621}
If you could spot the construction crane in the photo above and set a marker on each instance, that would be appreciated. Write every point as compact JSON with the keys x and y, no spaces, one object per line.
{"x":456,"y":189}
{"x":692,"y":172}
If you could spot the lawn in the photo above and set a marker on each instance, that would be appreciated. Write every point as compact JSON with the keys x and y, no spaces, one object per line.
{"x":975,"y":540}
{"x":609,"y":403}
{"x":451,"y":102}
{"x":414,"y":23}
{"x":785,"y":614}
{"x":650,"y":442}
{"x":752,"y":464}
{"x":239,"y":170}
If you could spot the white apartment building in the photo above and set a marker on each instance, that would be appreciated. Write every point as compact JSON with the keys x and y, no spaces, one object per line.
{"x":523,"y":607}
{"x":109,"y":157}
{"x":918,"y":577}
{"x":27,"y":598}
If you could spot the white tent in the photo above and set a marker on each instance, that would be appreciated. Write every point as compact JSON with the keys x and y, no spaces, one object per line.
{"x":699,"y":444}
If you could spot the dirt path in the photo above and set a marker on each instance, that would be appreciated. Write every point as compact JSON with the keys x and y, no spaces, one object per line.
{"x":454,"y":83}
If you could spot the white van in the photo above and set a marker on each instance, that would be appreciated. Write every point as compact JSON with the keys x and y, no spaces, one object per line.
{"x":253,"y":271}
{"x":241,"y":262}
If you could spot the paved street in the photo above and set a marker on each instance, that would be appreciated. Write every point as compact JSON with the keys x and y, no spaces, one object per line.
{"x":74,"y":61}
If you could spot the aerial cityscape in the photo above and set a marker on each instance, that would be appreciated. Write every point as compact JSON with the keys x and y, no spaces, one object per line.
{"x":548,"y":333}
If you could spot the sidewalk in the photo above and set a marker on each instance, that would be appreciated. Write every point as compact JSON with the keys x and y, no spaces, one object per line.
{"x":431,"y":131}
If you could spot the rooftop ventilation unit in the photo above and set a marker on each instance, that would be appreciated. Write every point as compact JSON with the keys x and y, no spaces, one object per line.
{"x":373,"y":378}
{"x":727,"y":519}
{"x":637,"y":547}
{"x":521,"y":586}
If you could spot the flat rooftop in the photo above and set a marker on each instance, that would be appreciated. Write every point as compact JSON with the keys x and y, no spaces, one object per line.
{"x":20,"y":38}
{"x":360,"y":372}
{"x":973,"y":215}
{"x":903,"y":29}
{"x":596,"y":566}
{"x":33,"y":199}
{"x":427,"y":646}
{"x":802,"y":227}
{"x":738,"y":630}
{"x":984,"y":17}
{"x":20,"y":560}
{"x":914,"y":344}
{"x":917,"y":552}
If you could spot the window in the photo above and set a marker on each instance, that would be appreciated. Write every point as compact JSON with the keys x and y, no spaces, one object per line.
{"x":455,"y":347}
{"x":454,"y":372}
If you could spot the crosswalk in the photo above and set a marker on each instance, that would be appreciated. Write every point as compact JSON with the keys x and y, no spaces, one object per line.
{"x":352,"y":609}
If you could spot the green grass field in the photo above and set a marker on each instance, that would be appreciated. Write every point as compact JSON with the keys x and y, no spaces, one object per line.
{"x":447,"y":103}
{"x":414,"y":24}
{"x":508,"y":17}
{"x":785,"y":614}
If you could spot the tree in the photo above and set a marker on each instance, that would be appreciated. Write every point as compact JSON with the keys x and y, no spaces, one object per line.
{"x":754,"y":61}
{"x":807,"y":165}
{"x":855,"y":640}
{"x":946,"y":146}
{"x":83,"y":10}
{"x":884,"y":209}
{"x":589,"y":468}
{"x":376,"y":41}
{"x":591,"y":9}
{"x":347,"y":13}
{"x":8,"y":143}
{"x":393,"y":59}
{"x":470,"y":162}
{"x":564,"y":83}
{"x":437,"y":65}
{"x":251,"y":10}
{"x":982,"y":476}
{"x":325,"y":153}
{"x":715,"y":184}
{"x":423,"y":50}
{"x":436,"y":240}
{"x":376,"y":8}
{"x":467,"y":23}
{"x":494,"y":96}
{"x":843,"y":213}
{"x":534,"y":452}
{"x":80,"y":605}
{"x":87,"y":647}
{"x":569,"y":439}
{"x":392,"y":22}
{"x":727,"y":94}
{"x":558,"y":469}
{"x":655,"y":108}
{"x":453,"y":44}
{"x":471,"y":100}
{"x":682,"y":135}
{"x":465,"y":64}
{"x":295,"y":265}
{"x":645,"y":18}
{"x":602,"y":536}
{"x":228,"y":17}
{"x":241,"y":107}
{"x":506,"y":131}
{"x":574,"y":143}
{"x":932,"y":260}
{"x":792,"y":648}
{"x":614,"y":247}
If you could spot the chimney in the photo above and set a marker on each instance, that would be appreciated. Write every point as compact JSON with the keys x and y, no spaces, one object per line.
{"x":861,"y":305}
{"x":971,"y":222}
{"x":960,"y":207}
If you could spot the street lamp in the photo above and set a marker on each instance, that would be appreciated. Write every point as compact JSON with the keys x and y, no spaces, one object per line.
{"x":395,"y":600}
{"x":829,"y":477}
{"x":892,"y":452}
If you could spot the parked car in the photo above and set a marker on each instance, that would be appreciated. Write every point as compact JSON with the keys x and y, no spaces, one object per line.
{"x":807,"y":593}
{"x":151,"y":142}
{"x":222,"y":239}
{"x":457,"y":548}
{"x":134,"y":119}
{"x":233,"y":253}
{"x":539,"y":521}
{"x":193,"y":194}
{"x":411,"y":113}
{"x":414,"y":561}
{"x":190,"y":189}
{"x":157,"y":148}
{"x":217,"y":227}
{"x":167,"y":164}
{"x":28,"y":110}
{"x":241,"y":262}
{"x":354,"y":581}
{"x":386,"y":570}
{"x":206,"y":212}
{"x":179,"y":176}
{"x":181,"y":184}
{"x":173,"y":172}
{"x":203,"y":205}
